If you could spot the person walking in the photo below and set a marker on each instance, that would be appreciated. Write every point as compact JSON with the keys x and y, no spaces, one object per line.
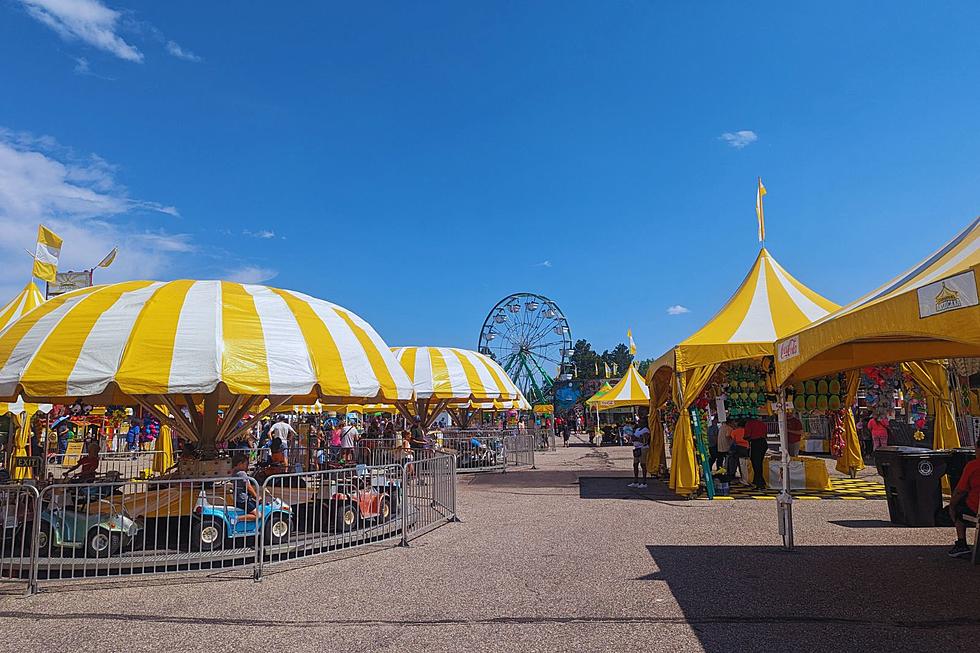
{"x":794,"y":434}
{"x":641,"y":447}
{"x":755,"y":434}
{"x":725,"y":446}
{"x":878,"y":425}
{"x":713,"y":458}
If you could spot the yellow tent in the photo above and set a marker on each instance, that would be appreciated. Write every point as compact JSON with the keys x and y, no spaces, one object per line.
{"x":630,"y":391}
{"x":21,"y":414}
{"x":26,"y":300}
{"x":929,"y":312}
{"x":599,"y":393}
{"x":768,"y":305}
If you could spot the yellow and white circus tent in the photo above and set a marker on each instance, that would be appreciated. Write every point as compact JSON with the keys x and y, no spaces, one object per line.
{"x":21,"y":413}
{"x":181,"y":343}
{"x":630,"y":391}
{"x":769,"y":304}
{"x":929,"y":312}
{"x":26,"y":300}
{"x":447,"y":376}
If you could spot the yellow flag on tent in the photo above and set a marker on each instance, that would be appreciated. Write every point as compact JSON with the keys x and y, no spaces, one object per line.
{"x":46,"y":253}
{"x":109,"y":258}
{"x":629,"y":334}
{"x":760,"y":193}
{"x":608,"y":371}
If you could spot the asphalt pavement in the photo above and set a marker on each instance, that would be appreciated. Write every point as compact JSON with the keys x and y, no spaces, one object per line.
{"x":561,"y":558}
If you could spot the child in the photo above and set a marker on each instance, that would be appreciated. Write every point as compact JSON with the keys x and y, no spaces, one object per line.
{"x":246,"y":498}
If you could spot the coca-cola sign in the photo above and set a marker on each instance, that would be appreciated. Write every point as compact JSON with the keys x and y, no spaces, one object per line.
{"x":789,"y":349}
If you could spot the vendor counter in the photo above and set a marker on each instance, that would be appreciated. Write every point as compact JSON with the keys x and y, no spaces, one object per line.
{"x":805,"y":473}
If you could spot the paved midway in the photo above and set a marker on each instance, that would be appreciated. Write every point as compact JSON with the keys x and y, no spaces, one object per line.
{"x":563,"y":558}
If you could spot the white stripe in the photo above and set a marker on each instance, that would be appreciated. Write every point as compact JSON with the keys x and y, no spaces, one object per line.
{"x":98,"y":361}
{"x":488,"y":387}
{"x":459,"y":386}
{"x":286,"y":350}
{"x":757,"y":325}
{"x":422,"y":379}
{"x":811,"y":310}
{"x":198,"y":345}
{"x":403,"y":384}
{"x":47,"y":254}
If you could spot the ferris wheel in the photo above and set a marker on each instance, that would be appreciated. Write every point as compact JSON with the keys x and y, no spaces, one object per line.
{"x":528,"y":336}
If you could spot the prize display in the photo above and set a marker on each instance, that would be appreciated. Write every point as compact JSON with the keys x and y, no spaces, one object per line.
{"x":822,"y":395}
{"x":745,"y":391}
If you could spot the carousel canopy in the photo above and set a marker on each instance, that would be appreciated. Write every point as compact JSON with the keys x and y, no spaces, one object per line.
{"x":630,"y":391}
{"x":195,"y":337}
{"x":446,"y":373}
{"x":769,"y":304}
{"x":18,"y":407}
{"x":929,"y":311}
{"x":26,"y":300}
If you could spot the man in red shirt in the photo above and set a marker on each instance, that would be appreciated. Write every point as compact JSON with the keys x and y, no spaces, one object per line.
{"x":965,"y":501}
{"x":794,"y":433}
{"x":755,"y":433}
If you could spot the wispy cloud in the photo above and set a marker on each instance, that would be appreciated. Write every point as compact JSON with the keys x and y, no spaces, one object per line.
{"x":81,"y":199}
{"x":677,"y":309}
{"x":251,"y":274}
{"x":265,"y":234}
{"x":88,"y":21}
{"x":739,"y":139}
{"x":174,"y":48}
{"x":543,"y":264}
{"x":82,"y":67}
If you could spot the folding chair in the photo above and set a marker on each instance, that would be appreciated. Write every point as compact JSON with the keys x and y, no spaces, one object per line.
{"x":976,"y":536}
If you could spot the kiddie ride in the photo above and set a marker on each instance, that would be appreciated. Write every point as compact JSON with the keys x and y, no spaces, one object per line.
{"x":367,"y":498}
{"x":217,"y":525}
{"x":84,"y":518}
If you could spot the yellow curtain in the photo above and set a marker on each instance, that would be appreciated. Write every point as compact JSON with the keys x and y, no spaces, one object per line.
{"x":684,"y":475}
{"x":21,"y":426}
{"x":659,"y":393}
{"x":851,"y":460}
{"x":163,"y":459}
{"x":932,"y":378}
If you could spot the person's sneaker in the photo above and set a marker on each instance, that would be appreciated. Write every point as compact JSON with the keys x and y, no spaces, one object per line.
{"x":959,"y":550}
{"x":632,"y":484}
{"x":641,"y":485}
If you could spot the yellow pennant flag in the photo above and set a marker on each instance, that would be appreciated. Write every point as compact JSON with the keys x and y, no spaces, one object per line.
{"x":46,"y":253}
{"x":760,"y":193}
{"x":109,"y":258}
{"x":607,"y":370}
{"x":629,"y":334}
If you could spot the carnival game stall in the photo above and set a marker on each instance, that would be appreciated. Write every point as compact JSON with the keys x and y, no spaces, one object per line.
{"x":735,"y":343}
{"x":629,"y":392}
{"x":910,"y":326}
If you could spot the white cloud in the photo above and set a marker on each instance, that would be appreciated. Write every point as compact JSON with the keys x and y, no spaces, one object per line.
{"x":739,"y":139}
{"x":265,"y":234}
{"x":88,"y":21}
{"x":79,"y":198}
{"x":179,"y":52}
{"x":677,"y":309}
{"x":543,"y":264}
{"x":251,"y":274}
{"x":82,"y":67}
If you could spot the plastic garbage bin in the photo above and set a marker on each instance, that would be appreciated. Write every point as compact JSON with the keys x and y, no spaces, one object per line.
{"x":958,"y":458}
{"x":912,"y":483}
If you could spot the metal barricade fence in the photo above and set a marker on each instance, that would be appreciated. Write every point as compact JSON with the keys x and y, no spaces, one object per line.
{"x":544,"y":439}
{"x":476,"y":452}
{"x":323,"y":511}
{"x":18,"y":505}
{"x":519,"y":451}
{"x":429,"y":491}
{"x":127,"y":464}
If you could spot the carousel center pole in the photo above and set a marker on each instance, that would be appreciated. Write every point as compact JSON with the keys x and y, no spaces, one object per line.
{"x":209,"y":427}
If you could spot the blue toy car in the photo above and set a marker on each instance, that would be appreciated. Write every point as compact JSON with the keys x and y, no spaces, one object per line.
{"x":215,"y":524}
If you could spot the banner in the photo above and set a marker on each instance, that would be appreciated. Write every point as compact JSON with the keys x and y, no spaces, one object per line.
{"x":68,"y":281}
{"x":46,"y":254}
{"x":948,"y":294}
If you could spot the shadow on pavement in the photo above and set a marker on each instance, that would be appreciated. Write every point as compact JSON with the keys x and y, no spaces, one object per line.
{"x":737,"y":598}
{"x":863,"y":523}
{"x":615,"y":487}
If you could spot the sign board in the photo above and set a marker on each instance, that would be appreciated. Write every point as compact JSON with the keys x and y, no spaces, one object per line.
{"x":72,"y":453}
{"x":949,"y":294}
{"x":789,"y":348}
{"x":68,"y":281}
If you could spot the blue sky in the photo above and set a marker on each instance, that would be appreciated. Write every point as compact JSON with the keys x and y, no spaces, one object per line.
{"x":416,"y":162}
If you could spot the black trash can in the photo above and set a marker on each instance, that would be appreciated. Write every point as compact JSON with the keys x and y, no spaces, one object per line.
{"x":958,"y":458}
{"x":912,"y":483}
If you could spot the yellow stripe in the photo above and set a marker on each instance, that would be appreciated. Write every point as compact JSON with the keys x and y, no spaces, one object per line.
{"x":328,"y":366}
{"x":441,"y":386}
{"x":244,"y":363}
{"x":477,"y":389}
{"x":10,"y":338}
{"x":407,"y":358}
{"x":505,"y":392}
{"x":56,"y":358}
{"x":814,"y":297}
{"x":636,"y":391}
{"x":148,"y":356}
{"x":378,"y":365}
{"x":787,"y":316}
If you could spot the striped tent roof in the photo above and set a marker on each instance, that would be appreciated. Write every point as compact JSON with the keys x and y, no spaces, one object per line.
{"x":516,"y":404}
{"x":18,"y":407}
{"x":630,"y":391}
{"x":26,"y":300}
{"x":193,"y":337}
{"x":901,"y":320}
{"x":768,"y":305}
{"x":447,"y":373}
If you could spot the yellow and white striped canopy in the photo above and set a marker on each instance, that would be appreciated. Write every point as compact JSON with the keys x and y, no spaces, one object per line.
{"x":521,"y":403}
{"x":769,"y":305}
{"x":18,"y":407}
{"x":630,"y":391}
{"x":448,"y":373}
{"x":930,"y":311}
{"x":192,"y":337}
{"x":26,"y":300}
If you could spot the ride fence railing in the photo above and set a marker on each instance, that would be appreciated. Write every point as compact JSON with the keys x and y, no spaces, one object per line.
{"x":112,"y":529}
{"x":544,"y":439}
{"x":125,"y":464}
{"x":476,"y":451}
{"x":519,"y":450}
